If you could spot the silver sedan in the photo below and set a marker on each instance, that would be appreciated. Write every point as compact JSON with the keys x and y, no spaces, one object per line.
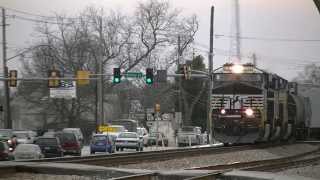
{"x":27,"y":151}
{"x":129,"y":140}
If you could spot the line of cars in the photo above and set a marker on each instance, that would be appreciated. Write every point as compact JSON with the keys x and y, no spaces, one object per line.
{"x":117,"y":138}
{"x":26,"y":145}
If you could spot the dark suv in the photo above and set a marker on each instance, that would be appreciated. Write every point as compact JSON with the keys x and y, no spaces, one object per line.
{"x":50,"y":146}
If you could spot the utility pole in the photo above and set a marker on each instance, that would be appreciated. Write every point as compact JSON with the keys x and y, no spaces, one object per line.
{"x":100,"y":88}
{"x":180,"y":79}
{"x":6,"y":112}
{"x":254,"y":59}
{"x":210,"y":63}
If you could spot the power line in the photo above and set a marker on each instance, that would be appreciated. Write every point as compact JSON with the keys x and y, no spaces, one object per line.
{"x":267,"y":39}
{"x":38,"y":21}
{"x":33,"y":14}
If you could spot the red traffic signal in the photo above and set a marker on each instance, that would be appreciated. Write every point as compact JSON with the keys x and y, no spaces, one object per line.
{"x":54,"y":78}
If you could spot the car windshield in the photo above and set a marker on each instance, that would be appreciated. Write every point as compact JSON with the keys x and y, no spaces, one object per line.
{"x":21,"y":134}
{"x":25,"y":148}
{"x":47,"y":141}
{"x":187,"y":129}
{"x":99,"y":138}
{"x":5,"y":133}
{"x":67,"y":137}
{"x":127,"y":135}
{"x":118,"y":128}
{"x":51,"y":133}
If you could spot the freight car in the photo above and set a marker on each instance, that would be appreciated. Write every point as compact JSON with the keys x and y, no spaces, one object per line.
{"x":251,"y":105}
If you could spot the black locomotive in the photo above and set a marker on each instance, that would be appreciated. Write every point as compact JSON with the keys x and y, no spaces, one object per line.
{"x":251,"y":105}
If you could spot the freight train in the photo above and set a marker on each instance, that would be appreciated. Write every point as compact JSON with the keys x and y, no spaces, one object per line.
{"x":250,"y":105}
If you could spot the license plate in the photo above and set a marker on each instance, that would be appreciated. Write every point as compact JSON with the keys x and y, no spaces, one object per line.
{"x":100,"y":144}
{"x":47,"y":148}
{"x":126,"y":142}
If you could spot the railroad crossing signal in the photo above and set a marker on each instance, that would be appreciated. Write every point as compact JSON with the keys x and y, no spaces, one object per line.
{"x":149,"y":75}
{"x":83,"y":77}
{"x":116,"y":76}
{"x":13,"y":74}
{"x":54,"y":78}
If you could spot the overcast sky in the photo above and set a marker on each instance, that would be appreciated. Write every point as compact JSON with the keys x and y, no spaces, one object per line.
{"x":271,"y":22}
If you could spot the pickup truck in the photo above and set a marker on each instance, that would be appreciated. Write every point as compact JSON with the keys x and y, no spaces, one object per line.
{"x":190,"y":135}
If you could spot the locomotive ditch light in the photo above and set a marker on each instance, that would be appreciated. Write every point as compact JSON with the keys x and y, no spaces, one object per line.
{"x":237,"y":68}
{"x":249,"y":112}
{"x":223,"y":111}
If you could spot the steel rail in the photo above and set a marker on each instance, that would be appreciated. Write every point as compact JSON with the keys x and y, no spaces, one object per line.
{"x":130,"y":158}
{"x":147,"y":176}
{"x":258,"y":165}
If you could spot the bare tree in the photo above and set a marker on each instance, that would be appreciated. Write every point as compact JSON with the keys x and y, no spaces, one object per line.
{"x":96,"y":35}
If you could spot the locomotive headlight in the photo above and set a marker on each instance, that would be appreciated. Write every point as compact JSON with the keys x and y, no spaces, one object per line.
{"x":249,"y":112}
{"x":223,"y":111}
{"x":237,"y":69}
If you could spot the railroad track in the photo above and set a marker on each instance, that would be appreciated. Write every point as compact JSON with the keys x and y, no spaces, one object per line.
{"x":150,"y":156}
{"x":268,"y":164}
{"x":263,"y":165}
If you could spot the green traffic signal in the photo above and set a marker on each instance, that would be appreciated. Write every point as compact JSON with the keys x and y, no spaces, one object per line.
{"x":149,"y":81}
{"x":149,"y":75}
{"x":116,"y":80}
{"x":116,"y":75}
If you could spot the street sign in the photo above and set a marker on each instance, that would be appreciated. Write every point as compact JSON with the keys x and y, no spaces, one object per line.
{"x":133,"y":75}
{"x":67,"y":90}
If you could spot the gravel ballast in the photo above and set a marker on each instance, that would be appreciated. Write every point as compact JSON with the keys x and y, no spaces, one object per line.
{"x":308,"y":171}
{"x":216,"y":159}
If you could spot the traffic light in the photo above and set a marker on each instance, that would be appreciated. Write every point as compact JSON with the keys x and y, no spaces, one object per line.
{"x":13,"y":74}
{"x":54,"y":78}
{"x":188,"y":71}
{"x":185,"y":70}
{"x":157,"y":108}
{"x":116,"y":75}
{"x":149,"y":75}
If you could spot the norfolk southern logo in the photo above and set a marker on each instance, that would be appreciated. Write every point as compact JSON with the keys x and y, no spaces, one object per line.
{"x":66,"y":84}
